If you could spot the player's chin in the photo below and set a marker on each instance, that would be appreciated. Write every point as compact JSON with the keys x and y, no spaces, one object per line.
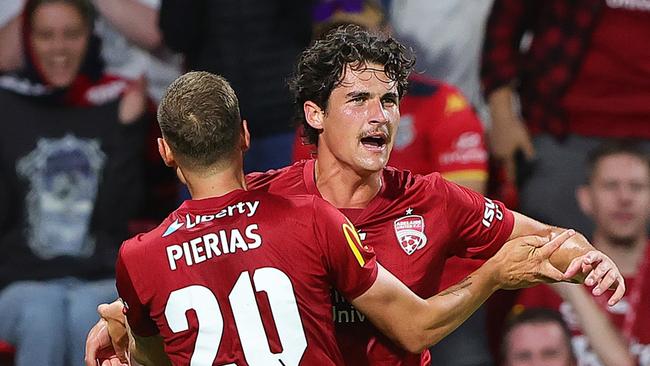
{"x":372,"y":164}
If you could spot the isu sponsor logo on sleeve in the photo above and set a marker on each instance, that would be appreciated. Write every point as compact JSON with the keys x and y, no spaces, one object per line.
{"x":410,"y":232}
{"x":491,"y":212}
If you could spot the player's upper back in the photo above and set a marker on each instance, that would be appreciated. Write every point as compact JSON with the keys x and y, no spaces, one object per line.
{"x":253,"y":268}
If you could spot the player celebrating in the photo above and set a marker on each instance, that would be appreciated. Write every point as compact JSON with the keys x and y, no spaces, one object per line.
{"x":347,"y":89}
{"x":255,"y":269}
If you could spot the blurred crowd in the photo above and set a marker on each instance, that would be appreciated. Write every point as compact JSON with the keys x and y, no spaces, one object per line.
{"x":544,"y":105}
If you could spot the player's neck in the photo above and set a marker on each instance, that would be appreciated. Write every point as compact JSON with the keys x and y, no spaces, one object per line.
{"x":627,"y":257}
{"x":216,"y":183}
{"x":343,"y":187}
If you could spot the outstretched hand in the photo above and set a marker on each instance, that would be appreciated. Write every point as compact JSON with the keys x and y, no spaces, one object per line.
{"x":601,"y":271}
{"x":524,"y":261}
{"x":107,"y":342}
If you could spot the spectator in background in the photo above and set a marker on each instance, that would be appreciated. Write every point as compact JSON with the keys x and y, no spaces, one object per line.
{"x":617,"y":198}
{"x":131,"y":41}
{"x":70,"y":180}
{"x":447,"y":36}
{"x":254,"y":45}
{"x":583,"y":78}
{"x":438,"y":132}
{"x":537,"y":337}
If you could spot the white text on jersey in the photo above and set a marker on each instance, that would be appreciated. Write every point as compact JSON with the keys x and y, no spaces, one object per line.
{"x":248,"y":208}
{"x":210,"y":245}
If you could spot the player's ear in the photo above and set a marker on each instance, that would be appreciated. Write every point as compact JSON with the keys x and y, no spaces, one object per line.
{"x":583,"y":196}
{"x":166,"y":153}
{"x":245,"y":136}
{"x":313,"y":114}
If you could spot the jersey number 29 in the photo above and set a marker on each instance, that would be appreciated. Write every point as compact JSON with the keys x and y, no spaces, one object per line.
{"x":248,"y":321}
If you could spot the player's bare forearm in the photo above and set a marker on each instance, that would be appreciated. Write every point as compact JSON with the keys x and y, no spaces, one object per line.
{"x":519,"y":263}
{"x":574,"y":247}
{"x":428,"y":321}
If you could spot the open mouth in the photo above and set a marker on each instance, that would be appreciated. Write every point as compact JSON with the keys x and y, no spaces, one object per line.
{"x":374,"y":142}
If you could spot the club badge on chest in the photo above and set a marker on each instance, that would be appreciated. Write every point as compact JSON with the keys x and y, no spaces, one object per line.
{"x":409,"y":230}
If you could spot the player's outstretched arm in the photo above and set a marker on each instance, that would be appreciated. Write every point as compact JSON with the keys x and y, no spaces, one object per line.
{"x":577,"y":258}
{"x":415,"y":323}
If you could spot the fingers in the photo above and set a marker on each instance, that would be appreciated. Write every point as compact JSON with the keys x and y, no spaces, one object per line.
{"x":574,"y":268}
{"x":600,"y":267}
{"x":605,"y":282}
{"x":604,"y":275}
{"x":116,"y":328}
{"x":549,"y":271}
{"x":96,"y":340}
{"x":556,"y":242}
{"x":618,"y":293}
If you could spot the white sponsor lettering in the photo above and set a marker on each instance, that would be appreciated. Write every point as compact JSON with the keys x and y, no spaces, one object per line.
{"x":491,"y":212}
{"x":211,"y":245}
{"x":240,"y":208}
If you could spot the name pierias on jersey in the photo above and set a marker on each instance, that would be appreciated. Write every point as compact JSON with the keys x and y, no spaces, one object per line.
{"x":213,"y":245}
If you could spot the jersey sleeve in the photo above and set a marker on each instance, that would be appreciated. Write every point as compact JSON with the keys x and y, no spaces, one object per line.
{"x":479,"y":224}
{"x":351,"y":265}
{"x":136,"y":313}
{"x":459,"y":149}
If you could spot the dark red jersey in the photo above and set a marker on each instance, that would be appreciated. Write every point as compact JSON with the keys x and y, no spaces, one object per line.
{"x":244,"y":279}
{"x":414,"y":224}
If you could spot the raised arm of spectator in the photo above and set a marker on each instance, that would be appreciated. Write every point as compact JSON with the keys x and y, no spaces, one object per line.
{"x":180,"y":24}
{"x":135,"y":20}
{"x":500,"y":68}
{"x":10,"y":31}
{"x":604,"y":338}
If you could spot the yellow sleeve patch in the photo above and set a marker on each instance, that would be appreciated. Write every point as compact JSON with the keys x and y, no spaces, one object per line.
{"x":354,"y":242}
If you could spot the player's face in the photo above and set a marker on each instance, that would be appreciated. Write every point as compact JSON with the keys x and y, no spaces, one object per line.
{"x":541,"y":344}
{"x":59,"y":40}
{"x":620,"y":197}
{"x":361,"y":119}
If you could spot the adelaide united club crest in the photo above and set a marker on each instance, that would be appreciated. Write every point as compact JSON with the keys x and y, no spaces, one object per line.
{"x":409,"y":230}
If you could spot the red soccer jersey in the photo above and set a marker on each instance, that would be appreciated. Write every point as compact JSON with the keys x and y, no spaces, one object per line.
{"x":244,"y":279}
{"x":414,"y":224}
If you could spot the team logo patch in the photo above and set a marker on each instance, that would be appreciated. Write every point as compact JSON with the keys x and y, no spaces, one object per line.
{"x":410,"y":233}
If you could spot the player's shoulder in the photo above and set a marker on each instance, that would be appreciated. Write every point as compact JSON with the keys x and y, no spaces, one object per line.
{"x":405,"y":181}
{"x":277,"y":180}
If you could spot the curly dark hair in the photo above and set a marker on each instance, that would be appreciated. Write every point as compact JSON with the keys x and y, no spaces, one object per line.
{"x":321,"y":67}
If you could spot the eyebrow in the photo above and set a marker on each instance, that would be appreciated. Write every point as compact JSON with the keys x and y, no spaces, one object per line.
{"x":355,"y":93}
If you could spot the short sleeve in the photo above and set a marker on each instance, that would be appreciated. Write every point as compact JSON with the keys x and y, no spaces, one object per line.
{"x":136,"y":313}
{"x":480,"y":225}
{"x":351,"y":265}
